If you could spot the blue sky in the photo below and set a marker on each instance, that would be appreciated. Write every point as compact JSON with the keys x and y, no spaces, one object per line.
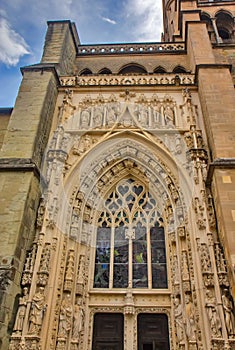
{"x":23,"y":25}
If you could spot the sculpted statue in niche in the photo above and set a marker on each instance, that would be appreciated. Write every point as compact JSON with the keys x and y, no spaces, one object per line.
{"x":185,"y":271}
{"x":179,"y":319}
{"x":169,"y":115}
{"x":190,"y":314}
{"x":98,"y":117}
{"x":229,"y":313}
{"x":21,"y":311}
{"x":85,"y":119}
{"x":189,"y":139}
{"x":157,"y":114}
{"x":200,"y":142}
{"x":45,"y":259}
{"x":142,"y":114}
{"x":188,"y":109}
{"x":113,"y":111}
{"x":205,"y":258}
{"x":38,"y":308}
{"x":204,"y":170}
{"x":78,"y":319}
{"x":175,"y":270}
{"x":69,"y":274}
{"x":212,"y":313}
{"x":65,"y":319}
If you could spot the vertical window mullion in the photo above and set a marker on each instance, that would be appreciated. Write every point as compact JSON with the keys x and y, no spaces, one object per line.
{"x":111,"y":257}
{"x":130,"y":264}
{"x":149,"y":256}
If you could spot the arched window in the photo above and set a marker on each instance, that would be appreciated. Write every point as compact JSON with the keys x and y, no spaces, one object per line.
{"x":133,"y":68}
{"x":159,"y":69}
{"x":205,"y":17}
{"x":86,"y":71}
{"x":105,"y":71}
{"x":225,"y":26}
{"x":179,"y":69}
{"x":130,"y":242}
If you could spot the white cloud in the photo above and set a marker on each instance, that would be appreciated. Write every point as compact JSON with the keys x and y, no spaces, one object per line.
{"x":109,"y":20}
{"x":146,"y":16}
{"x":12,"y":45}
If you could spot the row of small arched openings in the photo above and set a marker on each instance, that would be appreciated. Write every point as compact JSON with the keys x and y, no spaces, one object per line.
{"x":134,"y":69}
{"x":223,"y":22}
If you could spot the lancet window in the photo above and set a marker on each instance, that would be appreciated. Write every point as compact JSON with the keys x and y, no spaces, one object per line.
{"x":130,"y":242}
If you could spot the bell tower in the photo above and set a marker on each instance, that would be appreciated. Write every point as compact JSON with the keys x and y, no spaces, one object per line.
{"x":218,"y":16}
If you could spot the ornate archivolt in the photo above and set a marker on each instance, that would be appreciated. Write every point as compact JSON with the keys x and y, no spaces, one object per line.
{"x":82,"y":166}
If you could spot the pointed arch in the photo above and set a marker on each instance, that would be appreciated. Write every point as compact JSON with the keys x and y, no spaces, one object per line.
{"x":129,"y":218}
{"x":160,"y":69}
{"x":179,"y":69}
{"x":105,"y":71}
{"x":122,"y":155}
{"x":132,"y":68}
{"x":206,"y":18}
{"x":86,"y":71}
{"x":225,"y":25}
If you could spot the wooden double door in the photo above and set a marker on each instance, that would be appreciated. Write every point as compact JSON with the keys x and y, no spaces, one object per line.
{"x":108,"y":332}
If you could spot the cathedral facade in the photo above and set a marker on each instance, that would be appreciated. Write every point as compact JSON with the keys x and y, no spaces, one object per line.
{"x":118,"y":191}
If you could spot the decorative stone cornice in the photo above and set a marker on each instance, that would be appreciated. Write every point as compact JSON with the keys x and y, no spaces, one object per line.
{"x":141,"y":48}
{"x":42,"y":67}
{"x":125,"y":80}
{"x":20,"y":164}
{"x":219,"y":163}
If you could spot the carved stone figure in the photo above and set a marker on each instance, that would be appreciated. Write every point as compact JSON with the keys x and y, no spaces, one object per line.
{"x":185,"y":270}
{"x":69,"y":274}
{"x":85,"y":118}
{"x":44,"y":263}
{"x":38,"y":307}
{"x":205,"y":258}
{"x":175,"y":269}
{"x":21,"y":311}
{"x":98,"y":116}
{"x":65,"y":322}
{"x":200,"y":143}
{"x":190,"y":322}
{"x":229,"y":313}
{"x":78,"y":319}
{"x":212,"y":313}
{"x":169,"y":115}
{"x":143,"y":116}
{"x":189,"y":139}
{"x":112,"y":113}
{"x":179,"y":319}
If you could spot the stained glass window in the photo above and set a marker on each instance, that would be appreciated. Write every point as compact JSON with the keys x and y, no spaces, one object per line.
{"x":130,"y":243}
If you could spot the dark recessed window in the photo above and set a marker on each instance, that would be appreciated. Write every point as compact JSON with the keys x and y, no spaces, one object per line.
{"x":108,"y":332}
{"x":86,"y":72}
{"x":132,"y":68}
{"x":153,"y":333}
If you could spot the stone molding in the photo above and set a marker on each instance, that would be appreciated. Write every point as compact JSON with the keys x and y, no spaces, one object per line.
{"x":114,"y":49}
{"x":19,"y":164}
{"x":219,"y":163}
{"x":125,"y":80}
